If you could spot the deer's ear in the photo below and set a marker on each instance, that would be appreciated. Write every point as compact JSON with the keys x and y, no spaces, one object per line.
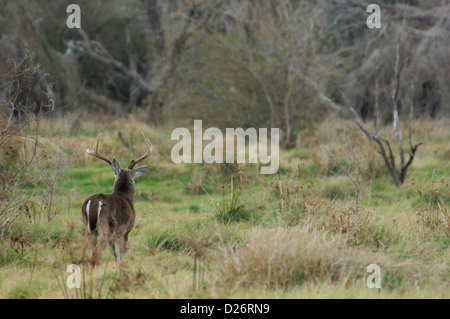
{"x":115,"y":167}
{"x":139,"y":171}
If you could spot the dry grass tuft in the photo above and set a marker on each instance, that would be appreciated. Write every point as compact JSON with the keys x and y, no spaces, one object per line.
{"x":279,"y":258}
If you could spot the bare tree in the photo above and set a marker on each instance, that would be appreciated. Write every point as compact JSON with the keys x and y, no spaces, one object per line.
{"x":398,"y":174}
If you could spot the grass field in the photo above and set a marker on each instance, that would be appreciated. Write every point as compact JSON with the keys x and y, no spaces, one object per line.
{"x":225,"y":231}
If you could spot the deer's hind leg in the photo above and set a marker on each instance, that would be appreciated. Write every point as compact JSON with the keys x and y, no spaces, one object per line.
{"x":103,"y":236}
{"x":116,"y":248}
{"x":98,"y":250}
{"x":119,"y":247}
{"x":91,"y":238}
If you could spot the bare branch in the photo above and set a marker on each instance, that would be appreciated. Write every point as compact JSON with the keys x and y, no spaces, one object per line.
{"x":411,"y":113}
{"x":377,"y":107}
{"x":101,"y":54}
{"x":395,"y":119}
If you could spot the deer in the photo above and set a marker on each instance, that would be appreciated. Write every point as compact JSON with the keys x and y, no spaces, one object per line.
{"x":109,"y":218}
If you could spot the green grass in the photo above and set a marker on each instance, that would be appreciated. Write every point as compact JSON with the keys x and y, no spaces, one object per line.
{"x":165,"y":240}
{"x":27,"y":289}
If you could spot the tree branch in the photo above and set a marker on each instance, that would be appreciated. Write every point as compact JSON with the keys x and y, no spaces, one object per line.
{"x":105,"y":57}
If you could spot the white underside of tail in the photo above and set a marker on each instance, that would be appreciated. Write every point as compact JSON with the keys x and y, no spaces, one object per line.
{"x":100,"y":204}
{"x":87,"y":212}
{"x":99,"y":231}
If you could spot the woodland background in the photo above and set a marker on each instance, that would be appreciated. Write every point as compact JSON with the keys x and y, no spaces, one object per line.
{"x":231,"y":63}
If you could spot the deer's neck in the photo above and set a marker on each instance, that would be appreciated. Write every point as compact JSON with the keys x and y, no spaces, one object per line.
{"x":124,"y":188}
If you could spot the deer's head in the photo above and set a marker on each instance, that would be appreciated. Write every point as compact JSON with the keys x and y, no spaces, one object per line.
{"x":124,"y":182}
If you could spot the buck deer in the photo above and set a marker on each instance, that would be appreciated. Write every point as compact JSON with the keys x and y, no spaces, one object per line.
{"x":109,"y":218}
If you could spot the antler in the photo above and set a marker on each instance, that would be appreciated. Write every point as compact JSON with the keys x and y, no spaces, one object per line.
{"x":143,"y":157}
{"x":96,"y":154}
